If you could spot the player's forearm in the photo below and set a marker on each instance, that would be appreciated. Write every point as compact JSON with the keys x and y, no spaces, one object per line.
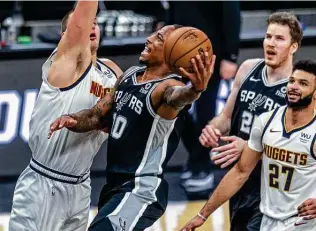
{"x":230,"y":184}
{"x":80,"y":24}
{"x":94,"y":118}
{"x":178,"y":97}
{"x":85,"y":12}
{"x":87,"y":120}
{"x":222,"y":123}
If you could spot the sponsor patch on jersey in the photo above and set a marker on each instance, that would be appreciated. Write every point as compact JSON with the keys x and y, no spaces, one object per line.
{"x":305,"y":137}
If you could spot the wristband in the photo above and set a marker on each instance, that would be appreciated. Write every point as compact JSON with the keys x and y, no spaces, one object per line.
{"x":201,"y":216}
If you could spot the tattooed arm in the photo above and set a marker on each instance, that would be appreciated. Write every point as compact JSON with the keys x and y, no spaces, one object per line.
{"x":87,"y":119}
{"x":94,"y":118}
{"x":172,"y":95}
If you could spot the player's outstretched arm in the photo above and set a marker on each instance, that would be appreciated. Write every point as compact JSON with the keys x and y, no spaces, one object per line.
{"x":229,"y":185}
{"x":73,"y":52}
{"x":87,"y":119}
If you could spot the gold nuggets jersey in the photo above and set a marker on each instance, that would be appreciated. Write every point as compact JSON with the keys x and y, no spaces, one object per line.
{"x":66,"y":151}
{"x":288,"y":175}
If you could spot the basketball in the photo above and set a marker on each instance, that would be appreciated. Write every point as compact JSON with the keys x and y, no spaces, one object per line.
{"x":183,"y":44}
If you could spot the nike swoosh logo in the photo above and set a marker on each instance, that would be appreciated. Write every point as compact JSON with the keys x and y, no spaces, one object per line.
{"x":298,"y":224}
{"x":274,"y":130}
{"x":253,"y":79}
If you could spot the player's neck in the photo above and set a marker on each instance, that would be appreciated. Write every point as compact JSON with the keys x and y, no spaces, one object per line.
{"x":297,"y":117}
{"x":154,"y":72}
{"x":282,"y":72}
{"x":94,"y":58}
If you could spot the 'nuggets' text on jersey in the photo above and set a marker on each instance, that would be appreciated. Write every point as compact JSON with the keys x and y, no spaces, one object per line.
{"x":288,"y":175}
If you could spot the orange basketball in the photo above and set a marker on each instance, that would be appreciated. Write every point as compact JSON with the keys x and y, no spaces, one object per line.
{"x":183,"y":44}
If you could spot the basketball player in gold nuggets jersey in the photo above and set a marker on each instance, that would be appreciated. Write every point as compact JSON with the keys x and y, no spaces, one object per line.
{"x":285,"y":140}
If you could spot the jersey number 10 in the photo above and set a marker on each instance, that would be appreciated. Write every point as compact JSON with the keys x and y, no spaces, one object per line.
{"x":119,"y":126}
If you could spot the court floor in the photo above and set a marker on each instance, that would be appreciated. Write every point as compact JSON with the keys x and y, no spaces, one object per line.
{"x":179,"y":211}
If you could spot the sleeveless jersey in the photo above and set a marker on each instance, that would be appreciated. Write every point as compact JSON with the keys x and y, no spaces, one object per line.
{"x":67,"y":151}
{"x":288,"y":176}
{"x":255,"y":96}
{"x":141,"y":142}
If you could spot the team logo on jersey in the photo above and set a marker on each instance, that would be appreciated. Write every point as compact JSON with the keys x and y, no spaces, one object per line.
{"x":145,"y":89}
{"x":123,"y":101}
{"x":281,"y":92}
{"x":256,"y":102}
{"x":98,"y":90}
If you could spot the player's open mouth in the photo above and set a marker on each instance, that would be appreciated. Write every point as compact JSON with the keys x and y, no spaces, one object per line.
{"x":146,"y":50}
{"x":293,"y":95}
{"x":93,"y":36}
{"x":270,"y":53}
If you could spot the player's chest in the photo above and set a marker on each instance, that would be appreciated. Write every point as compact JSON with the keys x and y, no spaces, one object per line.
{"x":91,"y":88}
{"x":258,"y":98}
{"x":293,"y":147}
{"x":132,"y":100}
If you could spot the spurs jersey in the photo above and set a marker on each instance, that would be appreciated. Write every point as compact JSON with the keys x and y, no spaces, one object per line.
{"x":141,"y":142}
{"x":255,"y":96}
{"x":66,"y":151}
{"x":288,"y":175}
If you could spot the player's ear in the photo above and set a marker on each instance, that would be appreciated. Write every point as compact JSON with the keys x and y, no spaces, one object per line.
{"x":294,"y":48}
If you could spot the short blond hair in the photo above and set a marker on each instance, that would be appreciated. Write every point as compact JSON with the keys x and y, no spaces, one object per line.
{"x":290,"y":20}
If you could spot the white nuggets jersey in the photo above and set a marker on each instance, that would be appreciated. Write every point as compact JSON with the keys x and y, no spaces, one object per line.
{"x":288,"y":175}
{"x":67,"y":151}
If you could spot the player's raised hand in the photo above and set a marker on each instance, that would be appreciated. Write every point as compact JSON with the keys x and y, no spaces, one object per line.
{"x":65,"y":121}
{"x":209,"y":136}
{"x":194,"y":223}
{"x":202,"y":71}
{"x":228,"y":153}
{"x":307,"y":209}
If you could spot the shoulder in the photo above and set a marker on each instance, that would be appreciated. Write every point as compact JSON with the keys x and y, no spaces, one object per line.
{"x":268,"y":116}
{"x":248,"y":64}
{"x":245,"y":68}
{"x":112,"y":65}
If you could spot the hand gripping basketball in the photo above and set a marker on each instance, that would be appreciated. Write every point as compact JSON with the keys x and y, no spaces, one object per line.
{"x":202,"y":72}
{"x":61,"y":122}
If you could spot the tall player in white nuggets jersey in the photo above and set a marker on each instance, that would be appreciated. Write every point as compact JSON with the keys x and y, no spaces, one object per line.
{"x":285,"y":140}
{"x":53,"y":192}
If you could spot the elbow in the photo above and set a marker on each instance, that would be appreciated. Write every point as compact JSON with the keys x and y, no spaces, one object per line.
{"x":242,"y":174}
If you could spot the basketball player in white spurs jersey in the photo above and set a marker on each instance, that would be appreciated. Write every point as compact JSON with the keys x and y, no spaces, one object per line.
{"x":285,"y":140}
{"x":53,"y":192}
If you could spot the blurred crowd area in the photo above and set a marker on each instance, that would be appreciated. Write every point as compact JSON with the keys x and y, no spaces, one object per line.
{"x":25,"y":22}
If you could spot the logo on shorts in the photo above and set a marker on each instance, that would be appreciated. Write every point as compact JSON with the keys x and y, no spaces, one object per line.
{"x":122,"y":224}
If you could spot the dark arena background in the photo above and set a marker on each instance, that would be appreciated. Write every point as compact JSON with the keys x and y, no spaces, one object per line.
{"x":35,"y":34}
